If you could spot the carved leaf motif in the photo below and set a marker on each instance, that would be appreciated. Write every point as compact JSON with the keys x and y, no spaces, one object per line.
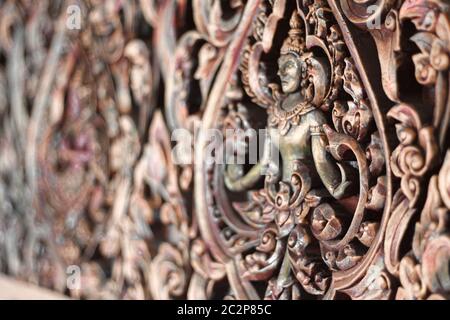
{"x":408,"y":161}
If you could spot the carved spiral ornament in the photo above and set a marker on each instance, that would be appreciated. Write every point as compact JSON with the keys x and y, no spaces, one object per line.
{"x":259,"y":149}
